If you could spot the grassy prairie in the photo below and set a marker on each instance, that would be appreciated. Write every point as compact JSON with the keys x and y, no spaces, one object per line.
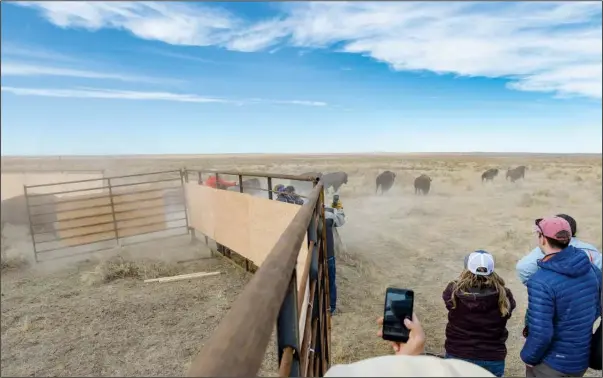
{"x":52,"y":324}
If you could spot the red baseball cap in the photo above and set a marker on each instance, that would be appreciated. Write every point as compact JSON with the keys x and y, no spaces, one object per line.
{"x":555,"y":228}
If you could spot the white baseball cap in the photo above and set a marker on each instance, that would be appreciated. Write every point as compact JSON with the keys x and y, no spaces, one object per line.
{"x":480,"y":263}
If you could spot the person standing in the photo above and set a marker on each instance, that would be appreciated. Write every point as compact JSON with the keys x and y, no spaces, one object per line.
{"x":335,"y":218}
{"x":563,"y":304}
{"x":479,"y":306}
{"x":219,"y":183}
{"x":528,"y":265}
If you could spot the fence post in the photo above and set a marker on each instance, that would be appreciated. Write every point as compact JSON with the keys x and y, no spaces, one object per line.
{"x":183,"y":180}
{"x":113,"y":212}
{"x":269,"y":187}
{"x":31,"y":231}
{"x":287,"y":332}
{"x":240,"y":183}
{"x":327,"y":294}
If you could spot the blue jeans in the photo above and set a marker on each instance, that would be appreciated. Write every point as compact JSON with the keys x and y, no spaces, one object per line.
{"x":332,"y":284}
{"x":495,"y":367}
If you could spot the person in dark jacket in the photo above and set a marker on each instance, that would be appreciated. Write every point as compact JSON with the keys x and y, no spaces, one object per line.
{"x":479,"y":306}
{"x":563,"y":304}
{"x":288,"y":195}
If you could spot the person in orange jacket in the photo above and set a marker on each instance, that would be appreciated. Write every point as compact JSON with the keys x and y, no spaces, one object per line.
{"x":219,"y":184}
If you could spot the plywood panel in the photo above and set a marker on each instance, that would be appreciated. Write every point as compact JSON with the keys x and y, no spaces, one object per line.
{"x":125,"y":224}
{"x":142,"y":230}
{"x":155,"y":194}
{"x":86,"y":230}
{"x":159,"y":202}
{"x":301,"y":262}
{"x":249,"y":225}
{"x":88,"y":239}
{"x":266,"y":221}
{"x":85,"y":222}
{"x":139,"y":213}
{"x":231,"y":221}
{"x":60,"y":207}
{"x":200,"y":208}
{"x":131,"y":220}
{"x":303,"y":310}
{"x":93,"y":212}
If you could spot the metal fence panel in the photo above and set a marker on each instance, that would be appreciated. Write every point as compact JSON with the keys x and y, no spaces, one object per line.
{"x":104,"y":213}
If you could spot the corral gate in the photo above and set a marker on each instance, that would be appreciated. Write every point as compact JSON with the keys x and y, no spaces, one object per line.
{"x":84,"y":216}
{"x":238,"y":345}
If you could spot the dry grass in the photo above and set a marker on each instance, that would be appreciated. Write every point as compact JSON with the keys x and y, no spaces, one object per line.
{"x":120,"y":267}
{"x":397,"y":239}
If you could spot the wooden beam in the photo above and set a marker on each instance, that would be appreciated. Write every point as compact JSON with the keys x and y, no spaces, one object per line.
{"x":183,"y":277}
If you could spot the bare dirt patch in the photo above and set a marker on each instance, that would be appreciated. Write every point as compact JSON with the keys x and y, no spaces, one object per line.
{"x":98,"y":319}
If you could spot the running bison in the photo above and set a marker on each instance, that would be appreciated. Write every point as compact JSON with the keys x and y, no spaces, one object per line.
{"x":422,"y":184}
{"x":385,"y":180}
{"x":489,"y":174}
{"x":334,"y":180}
{"x":516,"y":173}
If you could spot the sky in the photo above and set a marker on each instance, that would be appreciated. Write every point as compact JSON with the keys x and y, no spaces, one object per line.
{"x":96,"y":78}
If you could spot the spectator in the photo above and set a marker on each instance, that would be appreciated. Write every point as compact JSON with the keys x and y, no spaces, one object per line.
{"x":335,"y":217}
{"x":282,"y":195}
{"x":288,"y":195}
{"x":293,"y":195}
{"x":563,"y":304}
{"x":219,"y":183}
{"x":278,"y":189}
{"x":528,"y":265}
{"x":408,"y":361}
{"x":479,"y":306}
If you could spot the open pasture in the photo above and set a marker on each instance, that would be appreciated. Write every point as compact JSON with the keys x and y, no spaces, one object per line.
{"x":60,"y":321}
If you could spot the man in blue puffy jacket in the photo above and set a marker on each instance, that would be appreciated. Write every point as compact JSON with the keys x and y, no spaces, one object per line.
{"x":528,"y":265}
{"x":563,"y":304}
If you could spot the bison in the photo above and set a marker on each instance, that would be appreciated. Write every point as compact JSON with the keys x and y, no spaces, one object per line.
{"x":385,"y":180}
{"x":516,"y":173}
{"x":489,"y":174}
{"x":422,"y":184}
{"x":334,"y":180}
{"x":305,"y":187}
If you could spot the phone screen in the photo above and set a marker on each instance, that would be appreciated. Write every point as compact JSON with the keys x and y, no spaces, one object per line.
{"x":398,"y":306}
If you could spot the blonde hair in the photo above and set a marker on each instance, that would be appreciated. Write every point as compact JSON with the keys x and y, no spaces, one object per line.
{"x":468,"y":280}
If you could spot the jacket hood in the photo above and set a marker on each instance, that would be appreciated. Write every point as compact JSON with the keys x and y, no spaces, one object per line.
{"x":570,"y":262}
{"x":478,"y":300}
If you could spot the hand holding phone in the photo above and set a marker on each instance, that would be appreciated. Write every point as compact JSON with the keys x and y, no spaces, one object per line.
{"x":398,"y":306}
{"x":416,"y":340}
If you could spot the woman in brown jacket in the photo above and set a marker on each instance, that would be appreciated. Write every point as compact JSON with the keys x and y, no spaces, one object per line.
{"x":479,"y":306}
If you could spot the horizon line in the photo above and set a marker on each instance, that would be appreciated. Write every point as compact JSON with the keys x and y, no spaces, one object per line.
{"x":318,"y":154}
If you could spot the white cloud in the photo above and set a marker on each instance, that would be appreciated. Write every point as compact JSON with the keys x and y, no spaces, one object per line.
{"x":109,"y":94}
{"x":24,"y":69}
{"x":31,"y":52}
{"x":541,"y":46}
{"x":174,"y":23}
{"x":115,"y":94}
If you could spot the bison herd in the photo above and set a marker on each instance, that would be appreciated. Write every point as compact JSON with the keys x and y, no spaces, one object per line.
{"x":385,"y":180}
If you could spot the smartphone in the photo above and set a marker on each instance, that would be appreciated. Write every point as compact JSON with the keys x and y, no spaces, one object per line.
{"x":399,"y":305}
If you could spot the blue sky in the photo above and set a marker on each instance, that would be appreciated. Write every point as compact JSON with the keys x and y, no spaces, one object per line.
{"x":184,"y":78}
